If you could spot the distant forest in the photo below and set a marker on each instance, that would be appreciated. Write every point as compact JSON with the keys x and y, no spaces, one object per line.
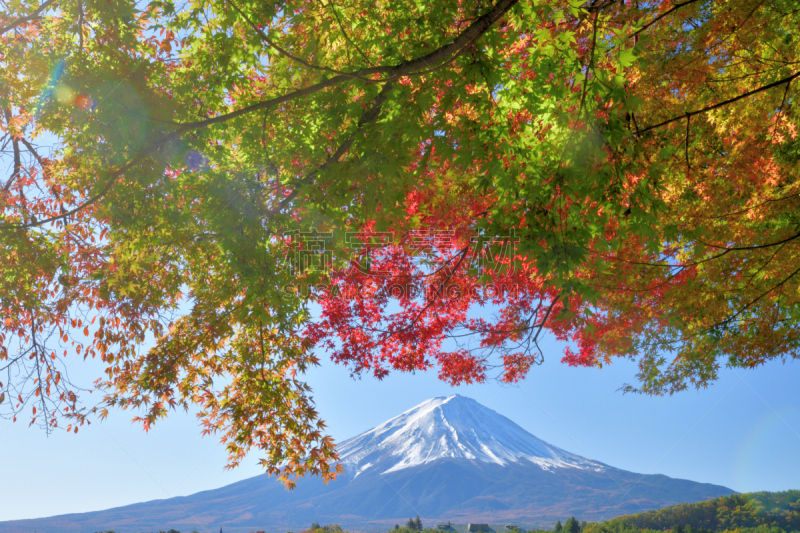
{"x":737,"y":512}
{"x":755,"y":512}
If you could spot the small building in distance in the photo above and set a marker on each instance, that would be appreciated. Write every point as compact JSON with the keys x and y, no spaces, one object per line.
{"x":479,"y":528}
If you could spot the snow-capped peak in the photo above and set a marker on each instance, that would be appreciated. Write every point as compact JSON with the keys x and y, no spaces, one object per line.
{"x":451,"y":427}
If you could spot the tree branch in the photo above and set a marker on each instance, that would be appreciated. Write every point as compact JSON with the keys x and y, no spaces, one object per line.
{"x":589,"y":65}
{"x":28,"y":18}
{"x":675,"y":7}
{"x":436,"y":296}
{"x":33,"y":152}
{"x":283,"y":51}
{"x":346,"y":37}
{"x":686,"y":147}
{"x":755,"y":247}
{"x":17,"y":171}
{"x":721,"y":104}
{"x":405,"y":68}
{"x":368,"y":116}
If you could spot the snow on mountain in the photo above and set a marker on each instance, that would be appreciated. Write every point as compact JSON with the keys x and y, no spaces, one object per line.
{"x":447,"y":458}
{"x":451,"y":427}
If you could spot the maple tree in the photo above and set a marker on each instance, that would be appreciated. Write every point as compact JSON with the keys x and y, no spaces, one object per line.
{"x":241,"y":184}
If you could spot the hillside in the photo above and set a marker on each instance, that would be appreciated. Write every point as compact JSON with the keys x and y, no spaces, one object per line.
{"x":737,"y":511}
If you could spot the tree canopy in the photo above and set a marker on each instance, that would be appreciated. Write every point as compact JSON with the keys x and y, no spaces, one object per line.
{"x":750,"y":510}
{"x":242,"y":184}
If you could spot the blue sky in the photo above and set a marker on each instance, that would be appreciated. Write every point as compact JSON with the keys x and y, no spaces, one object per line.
{"x":743,"y":432}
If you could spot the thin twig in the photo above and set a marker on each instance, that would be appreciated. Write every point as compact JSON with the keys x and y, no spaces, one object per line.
{"x":28,"y":18}
{"x":711,"y":107}
{"x":675,"y":7}
{"x":264,"y":37}
{"x":686,"y":147}
{"x":346,"y":37}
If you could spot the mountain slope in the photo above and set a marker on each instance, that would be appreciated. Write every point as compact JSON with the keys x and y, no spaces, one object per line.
{"x":457,"y":428}
{"x":447,"y":458}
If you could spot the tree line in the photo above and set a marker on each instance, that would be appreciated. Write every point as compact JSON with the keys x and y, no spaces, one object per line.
{"x":756,"y":512}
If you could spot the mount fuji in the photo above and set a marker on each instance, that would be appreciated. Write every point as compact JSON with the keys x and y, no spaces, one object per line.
{"x":452,"y":428}
{"x":445,"y":459}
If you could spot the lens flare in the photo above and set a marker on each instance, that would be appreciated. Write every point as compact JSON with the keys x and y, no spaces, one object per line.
{"x":84,"y":101}
{"x":758,"y":446}
{"x":49,"y":89}
{"x":65,"y":95}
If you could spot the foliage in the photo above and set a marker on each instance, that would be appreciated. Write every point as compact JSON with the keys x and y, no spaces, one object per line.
{"x":414,"y":524}
{"x":407,"y":529}
{"x":238,"y":184}
{"x":738,"y":511}
{"x":755,"y":512}
{"x":330,"y":528}
{"x":572,"y":526}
